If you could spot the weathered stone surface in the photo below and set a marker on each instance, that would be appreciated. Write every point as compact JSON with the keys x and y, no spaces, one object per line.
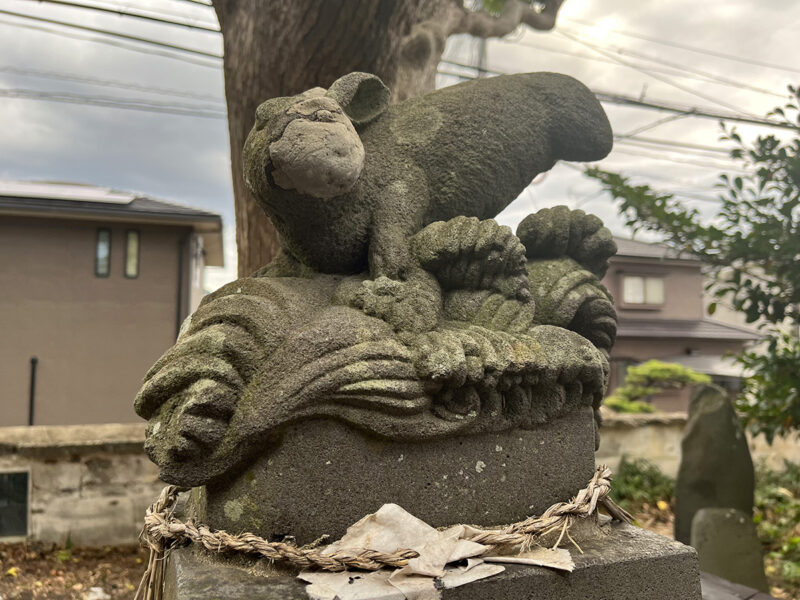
{"x":399,"y":314}
{"x":263,"y":352}
{"x":324,"y":476}
{"x":627,"y":564}
{"x":728,"y":546}
{"x":716,"y":469}
{"x":427,"y":159}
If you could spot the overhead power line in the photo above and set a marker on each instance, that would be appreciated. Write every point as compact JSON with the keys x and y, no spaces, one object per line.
{"x":690,"y":48}
{"x":658,"y":77}
{"x":693,"y":163}
{"x":678,"y":70}
{"x":619,"y":99}
{"x":111,"y":102}
{"x":660,"y":142}
{"x":115,"y":44}
{"x":214,"y":99}
{"x":652,"y":125}
{"x":135,"y":15}
{"x":706,"y":75}
{"x":124,"y":36}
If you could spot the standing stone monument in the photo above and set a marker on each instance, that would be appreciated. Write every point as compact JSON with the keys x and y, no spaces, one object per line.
{"x":403,"y":347}
{"x":727,"y":545}
{"x":716,"y":469}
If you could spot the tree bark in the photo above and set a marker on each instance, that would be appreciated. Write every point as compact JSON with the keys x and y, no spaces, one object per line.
{"x":284,"y":47}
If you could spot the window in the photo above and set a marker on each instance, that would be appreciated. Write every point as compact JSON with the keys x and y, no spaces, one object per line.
{"x":132,"y":253}
{"x":13,"y":504}
{"x":643,"y":290}
{"x":102,"y":257}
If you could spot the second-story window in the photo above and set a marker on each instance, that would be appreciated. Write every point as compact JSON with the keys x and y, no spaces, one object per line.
{"x":102,"y":256}
{"x":642,"y":290}
{"x":131,"y":253}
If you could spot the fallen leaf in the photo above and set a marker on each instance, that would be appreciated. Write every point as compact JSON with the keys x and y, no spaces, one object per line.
{"x":12,"y":572}
{"x":558,"y":558}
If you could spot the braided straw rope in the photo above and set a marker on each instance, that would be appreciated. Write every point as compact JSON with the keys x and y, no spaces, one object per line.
{"x":163,"y":531}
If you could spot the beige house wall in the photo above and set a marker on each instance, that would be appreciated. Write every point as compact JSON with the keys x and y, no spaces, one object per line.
{"x":94,"y":337}
{"x":683,"y":288}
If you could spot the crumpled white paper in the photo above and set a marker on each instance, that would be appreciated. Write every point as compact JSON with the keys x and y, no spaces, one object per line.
{"x":392,"y":528}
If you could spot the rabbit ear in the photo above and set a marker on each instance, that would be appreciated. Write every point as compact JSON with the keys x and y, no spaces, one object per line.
{"x":362,"y":96}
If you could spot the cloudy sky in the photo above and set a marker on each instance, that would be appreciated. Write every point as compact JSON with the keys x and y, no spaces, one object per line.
{"x":730,"y":56}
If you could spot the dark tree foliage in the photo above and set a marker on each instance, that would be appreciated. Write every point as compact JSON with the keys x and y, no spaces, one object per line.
{"x":752,"y":250}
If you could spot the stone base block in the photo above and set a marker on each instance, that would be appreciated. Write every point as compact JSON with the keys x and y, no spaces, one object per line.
{"x":626,"y":564}
{"x":325,"y":475}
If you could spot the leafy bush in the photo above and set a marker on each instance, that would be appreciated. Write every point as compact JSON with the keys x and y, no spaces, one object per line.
{"x":638,"y":481}
{"x":749,"y":248}
{"x":777,"y":518}
{"x":621,"y":405}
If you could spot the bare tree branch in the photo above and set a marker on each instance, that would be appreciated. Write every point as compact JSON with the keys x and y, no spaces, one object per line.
{"x":515,"y":13}
{"x":422,"y":48}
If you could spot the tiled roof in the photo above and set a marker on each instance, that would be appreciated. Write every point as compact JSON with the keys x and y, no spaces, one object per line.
{"x":80,"y":201}
{"x":76,"y":199}
{"x":690,"y":329}
{"x":635,"y":248}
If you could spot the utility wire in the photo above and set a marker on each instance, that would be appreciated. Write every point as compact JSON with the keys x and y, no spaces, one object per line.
{"x":680,"y":67}
{"x":114,"y":43}
{"x":692,"y":163}
{"x":677,"y":71}
{"x":660,"y":78}
{"x":136,"y":15}
{"x":652,"y":125}
{"x":705,"y":76}
{"x":110,"y":102}
{"x":214,"y":99}
{"x":661,"y":142}
{"x":603,"y":96}
{"x":622,"y":100}
{"x":696,"y":49}
{"x":124,"y":36}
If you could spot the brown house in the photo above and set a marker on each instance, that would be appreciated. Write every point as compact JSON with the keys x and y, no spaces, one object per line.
{"x":94,"y":285}
{"x":658,"y":295}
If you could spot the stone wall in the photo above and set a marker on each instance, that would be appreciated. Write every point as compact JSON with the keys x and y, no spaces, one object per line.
{"x":88,"y":483}
{"x":657,"y":437}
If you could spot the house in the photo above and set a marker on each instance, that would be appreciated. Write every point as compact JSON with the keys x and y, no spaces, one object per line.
{"x":658,"y":295}
{"x":94,"y":285}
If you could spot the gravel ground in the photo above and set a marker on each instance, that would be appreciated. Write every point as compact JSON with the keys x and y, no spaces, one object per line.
{"x":31,"y":571}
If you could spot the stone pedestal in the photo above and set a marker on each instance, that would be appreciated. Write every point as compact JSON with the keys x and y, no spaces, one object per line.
{"x":487,"y":479}
{"x":626,"y":564}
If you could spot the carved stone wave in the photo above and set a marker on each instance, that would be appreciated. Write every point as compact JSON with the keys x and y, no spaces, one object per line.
{"x":516,"y":344}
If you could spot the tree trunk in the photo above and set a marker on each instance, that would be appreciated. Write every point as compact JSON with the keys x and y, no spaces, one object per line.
{"x":284,"y":47}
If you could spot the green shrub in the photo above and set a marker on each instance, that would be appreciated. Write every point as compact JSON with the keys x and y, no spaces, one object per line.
{"x":621,"y":405}
{"x":638,"y":481}
{"x":777,"y":518}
